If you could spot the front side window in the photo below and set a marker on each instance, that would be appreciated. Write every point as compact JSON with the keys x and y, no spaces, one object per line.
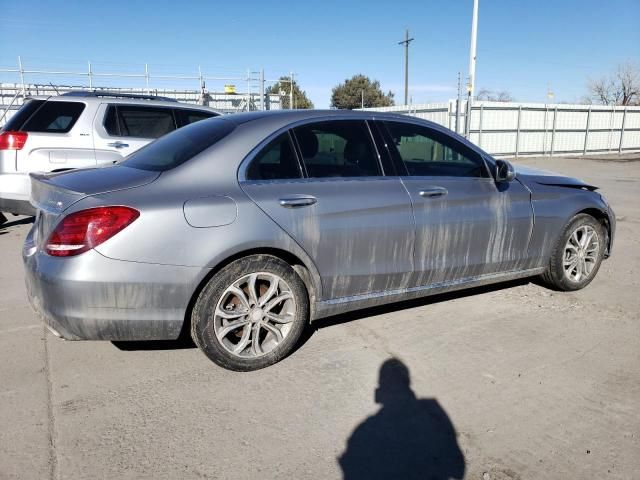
{"x":341,"y":148}
{"x":54,"y":117}
{"x":426,"y":152}
{"x":276,"y":161}
{"x":140,"y":122}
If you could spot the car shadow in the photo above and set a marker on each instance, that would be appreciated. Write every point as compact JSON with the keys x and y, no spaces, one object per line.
{"x":405,"y":305}
{"x":407,"y":438}
{"x":184,"y":340}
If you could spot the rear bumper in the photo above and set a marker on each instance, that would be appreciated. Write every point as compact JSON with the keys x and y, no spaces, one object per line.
{"x":15,"y":191}
{"x":92,"y":297}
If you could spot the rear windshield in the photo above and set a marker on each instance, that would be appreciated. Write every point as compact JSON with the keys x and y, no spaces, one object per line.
{"x":54,"y":117}
{"x":18,"y":119}
{"x":179,"y":146}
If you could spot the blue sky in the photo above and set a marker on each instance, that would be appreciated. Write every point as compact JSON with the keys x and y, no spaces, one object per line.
{"x":523,"y":46}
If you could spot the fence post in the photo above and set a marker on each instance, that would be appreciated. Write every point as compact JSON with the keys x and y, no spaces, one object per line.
{"x":480,"y":126}
{"x":553,"y":131}
{"x":624,"y":117}
{"x":146,"y":77}
{"x":612,"y":124}
{"x":544,"y":136}
{"x":518,"y":131}
{"x":586,"y":132}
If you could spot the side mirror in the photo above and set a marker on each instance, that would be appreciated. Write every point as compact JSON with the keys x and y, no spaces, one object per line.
{"x":504,"y":171}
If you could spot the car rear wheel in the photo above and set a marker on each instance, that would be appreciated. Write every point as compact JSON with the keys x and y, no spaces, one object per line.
{"x":251,"y":314}
{"x":577,"y":255}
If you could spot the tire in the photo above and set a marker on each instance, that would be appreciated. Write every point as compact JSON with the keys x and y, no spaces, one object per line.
{"x":560,"y":274}
{"x":226,"y":317}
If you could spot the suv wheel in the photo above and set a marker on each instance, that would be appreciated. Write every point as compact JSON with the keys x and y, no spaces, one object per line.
{"x":251,"y":314}
{"x":577,"y":255}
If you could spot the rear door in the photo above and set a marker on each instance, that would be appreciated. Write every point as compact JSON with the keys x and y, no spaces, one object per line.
{"x":59,"y":138}
{"x":337,"y":204}
{"x":466,"y":224}
{"x":122,"y":129}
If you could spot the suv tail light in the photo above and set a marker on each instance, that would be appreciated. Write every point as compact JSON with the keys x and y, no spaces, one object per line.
{"x":12,"y":140}
{"x":86,"y":229}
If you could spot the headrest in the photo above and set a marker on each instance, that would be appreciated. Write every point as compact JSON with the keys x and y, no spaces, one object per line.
{"x":355,"y":151}
{"x":308,"y":142}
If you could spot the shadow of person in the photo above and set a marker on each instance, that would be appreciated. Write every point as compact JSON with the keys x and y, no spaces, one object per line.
{"x":408,"y":438}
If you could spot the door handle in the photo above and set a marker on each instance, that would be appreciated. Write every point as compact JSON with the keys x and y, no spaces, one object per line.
{"x":117,"y":144}
{"x":294,"y":202}
{"x":433,"y":192}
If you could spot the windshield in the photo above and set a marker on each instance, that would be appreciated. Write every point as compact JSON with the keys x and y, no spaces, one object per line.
{"x":180,"y":146}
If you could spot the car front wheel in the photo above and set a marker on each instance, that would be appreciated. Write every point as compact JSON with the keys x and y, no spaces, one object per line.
{"x":251,"y":314}
{"x":577,"y":255}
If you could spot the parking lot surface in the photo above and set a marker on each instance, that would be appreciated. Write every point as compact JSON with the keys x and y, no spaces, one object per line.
{"x":508,"y":382}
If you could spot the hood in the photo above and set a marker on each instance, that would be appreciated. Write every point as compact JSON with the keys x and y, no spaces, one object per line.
{"x":55,"y":192}
{"x":543,"y":177}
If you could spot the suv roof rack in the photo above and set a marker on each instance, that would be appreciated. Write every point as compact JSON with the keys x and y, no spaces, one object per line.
{"x":106,"y":93}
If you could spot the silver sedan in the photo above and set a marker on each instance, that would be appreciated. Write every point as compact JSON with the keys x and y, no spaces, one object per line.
{"x":241,"y":230}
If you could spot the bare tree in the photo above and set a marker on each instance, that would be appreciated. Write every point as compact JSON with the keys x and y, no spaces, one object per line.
{"x":492,"y":96}
{"x":620,"y":88}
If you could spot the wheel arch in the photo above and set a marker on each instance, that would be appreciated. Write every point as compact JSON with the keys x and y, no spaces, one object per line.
{"x":309,"y":276}
{"x":602,"y":217}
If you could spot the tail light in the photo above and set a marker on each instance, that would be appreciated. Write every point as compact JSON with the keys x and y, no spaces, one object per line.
{"x":86,"y":229}
{"x":13,"y":140}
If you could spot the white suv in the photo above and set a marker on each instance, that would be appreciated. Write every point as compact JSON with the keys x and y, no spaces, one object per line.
{"x":78,"y":130}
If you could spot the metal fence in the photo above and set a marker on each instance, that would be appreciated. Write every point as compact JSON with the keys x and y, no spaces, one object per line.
{"x":12,"y":96}
{"x":514,"y":129}
{"x":248,"y":92}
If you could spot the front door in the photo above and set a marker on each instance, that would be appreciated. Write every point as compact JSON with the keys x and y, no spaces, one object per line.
{"x":466,"y":225}
{"x":355,"y":223}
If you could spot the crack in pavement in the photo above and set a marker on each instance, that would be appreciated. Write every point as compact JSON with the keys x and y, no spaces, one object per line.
{"x":51,"y":421}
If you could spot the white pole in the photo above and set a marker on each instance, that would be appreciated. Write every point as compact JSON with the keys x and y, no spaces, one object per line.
{"x":24,"y":90}
{"x":291,"y":91}
{"x":472,"y":69}
{"x":472,"y":50}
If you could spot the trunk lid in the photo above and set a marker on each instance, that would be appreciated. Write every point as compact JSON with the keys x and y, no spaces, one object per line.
{"x":53,"y":193}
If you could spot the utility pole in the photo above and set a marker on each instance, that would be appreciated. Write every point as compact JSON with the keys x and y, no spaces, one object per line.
{"x":472,"y":66}
{"x":406,"y":43}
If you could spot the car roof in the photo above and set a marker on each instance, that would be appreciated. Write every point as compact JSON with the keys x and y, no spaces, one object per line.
{"x":112,"y":97}
{"x":302,"y":114}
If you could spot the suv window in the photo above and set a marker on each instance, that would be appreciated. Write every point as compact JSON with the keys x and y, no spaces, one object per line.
{"x":426,"y":152}
{"x":179,"y":146}
{"x":186,"y":117}
{"x":52,"y":117}
{"x":276,"y":161}
{"x":137,"y":121}
{"x":341,"y":148}
{"x":18,"y":119}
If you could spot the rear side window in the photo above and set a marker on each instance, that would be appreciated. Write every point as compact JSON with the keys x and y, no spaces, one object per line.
{"x":22,"y":115}
{"x":140,"y":122}
{"x":187,"y":117}
{"x":341,"y":148}
{"x":54,"y":117}
{"x":277,"y":161}
{"x":179,"y":146}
